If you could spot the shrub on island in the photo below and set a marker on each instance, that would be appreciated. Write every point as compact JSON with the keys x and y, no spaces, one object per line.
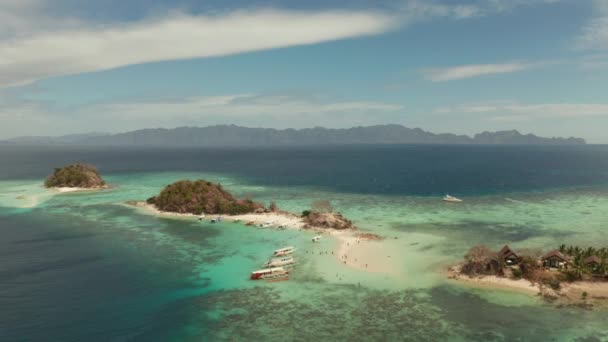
{"x":201,"y":196}
{"x":75,"y":176}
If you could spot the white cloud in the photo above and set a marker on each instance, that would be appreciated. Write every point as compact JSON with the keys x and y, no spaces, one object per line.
{"x":239,"y":106}
{"x":473,"y":70}
{"x":35,"y":44}
{"x":595,"y":34}
{"x":508,"y":111}
{"x":279,"y":111}
{"x":77,"y":50}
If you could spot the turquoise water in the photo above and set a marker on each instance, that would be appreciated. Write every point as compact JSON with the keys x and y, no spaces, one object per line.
{"x":84,"y":266}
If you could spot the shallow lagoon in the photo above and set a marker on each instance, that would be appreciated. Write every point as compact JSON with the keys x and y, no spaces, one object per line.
{"x":85,"y":266}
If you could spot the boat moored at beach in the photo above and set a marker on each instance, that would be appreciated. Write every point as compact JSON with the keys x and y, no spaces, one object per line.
{"x":278,"y":262}
{"x":269,"y":273}
{"x":284,"y":251}
{"x":448,"y":198}
{"x":316,"y":238}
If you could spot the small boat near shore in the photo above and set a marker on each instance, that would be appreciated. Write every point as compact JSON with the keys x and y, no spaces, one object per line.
{"x":284,"y":251}
{"x":279,"y":262}
{"x":448,"y":198}
{"x":270,"y":274}
{"x":316,"y":238}
{"x":216,"y":220}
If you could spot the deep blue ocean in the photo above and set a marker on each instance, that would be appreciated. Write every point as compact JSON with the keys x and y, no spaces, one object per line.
{"x":81,"y":268}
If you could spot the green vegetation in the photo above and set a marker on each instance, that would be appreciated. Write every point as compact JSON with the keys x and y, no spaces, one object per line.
{"x":197,"y":197}
{"x":586,"y":261}
{"x":76,"y":176}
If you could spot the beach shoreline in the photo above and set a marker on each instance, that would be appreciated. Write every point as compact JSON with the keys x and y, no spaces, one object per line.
{"x":569,"y":294}
{"x":66,"y":189}
{"x":352,"y":249}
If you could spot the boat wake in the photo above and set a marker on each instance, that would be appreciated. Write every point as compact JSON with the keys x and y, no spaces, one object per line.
{"x":520,"y":202}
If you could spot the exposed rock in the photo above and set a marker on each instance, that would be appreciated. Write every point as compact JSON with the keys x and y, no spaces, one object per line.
{"x":327,"y":220}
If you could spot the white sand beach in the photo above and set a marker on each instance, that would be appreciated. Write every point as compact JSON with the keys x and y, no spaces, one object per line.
{"x":77,"y":189}
{"x":568,"y":294}
{"x":357,"y":250}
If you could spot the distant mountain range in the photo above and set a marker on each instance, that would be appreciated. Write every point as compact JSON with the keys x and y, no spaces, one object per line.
{"x":231,"y":135}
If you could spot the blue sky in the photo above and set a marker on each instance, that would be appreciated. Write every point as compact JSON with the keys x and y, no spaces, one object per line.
{"x":461,"y":66}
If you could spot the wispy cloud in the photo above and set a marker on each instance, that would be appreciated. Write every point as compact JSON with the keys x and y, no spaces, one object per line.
{"x":511,"y":111}
{"x":280,"y":111}
{"x":35,"y":44}
{"x":473,"y":70}
{"x":239,"y":106}
{"x":594,"y":35}
{"x":178,"y":36}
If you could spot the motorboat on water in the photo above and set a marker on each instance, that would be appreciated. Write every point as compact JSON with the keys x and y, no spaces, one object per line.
{"x":284,"y":251}
{"x":216,"y":220}
{"x":278,"y":262}
{"x":452,"y":199}
{"x":270,"y":274}
{"x":316,"y":238}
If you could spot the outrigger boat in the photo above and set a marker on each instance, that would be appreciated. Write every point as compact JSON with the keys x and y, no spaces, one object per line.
{"x":452,"y":199}
{"x":275,"y":273}
{"x":284,"y":251}
{"x":278,"y":262}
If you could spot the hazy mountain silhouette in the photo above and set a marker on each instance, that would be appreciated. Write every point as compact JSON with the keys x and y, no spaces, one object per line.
{"x":231,"y":135}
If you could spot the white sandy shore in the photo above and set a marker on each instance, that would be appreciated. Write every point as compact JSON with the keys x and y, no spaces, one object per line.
{"x":494,"y":282}
{"x":568,"y":294}
{"x":77,"y":189}
{"x":356,"y":250}
{"x":364,"y":253}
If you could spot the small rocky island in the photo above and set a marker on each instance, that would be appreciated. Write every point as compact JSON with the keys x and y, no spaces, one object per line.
{"x":75,"y":176}
{"x":322,"y":215}
{"x":201,"y":197}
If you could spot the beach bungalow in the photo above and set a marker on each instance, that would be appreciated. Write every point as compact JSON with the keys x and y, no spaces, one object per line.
{"x":508,"y":256}
{"x":555,"y":259}
{"x":594,"y":264}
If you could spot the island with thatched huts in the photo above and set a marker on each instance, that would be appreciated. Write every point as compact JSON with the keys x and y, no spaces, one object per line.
{"x":564,"y":273}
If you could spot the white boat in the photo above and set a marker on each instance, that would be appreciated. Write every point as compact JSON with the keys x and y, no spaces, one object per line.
{"x":278,"y":262}
{"x":453,"y":199}
{"x":201,"y":217}
{"x":284,"y":251}
{"x":269,"y":273}
{"x":316,"y":238}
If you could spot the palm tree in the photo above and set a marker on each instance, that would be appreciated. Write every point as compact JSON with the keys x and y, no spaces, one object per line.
{"x":562,"y":248}
{"x":570,"y":250}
